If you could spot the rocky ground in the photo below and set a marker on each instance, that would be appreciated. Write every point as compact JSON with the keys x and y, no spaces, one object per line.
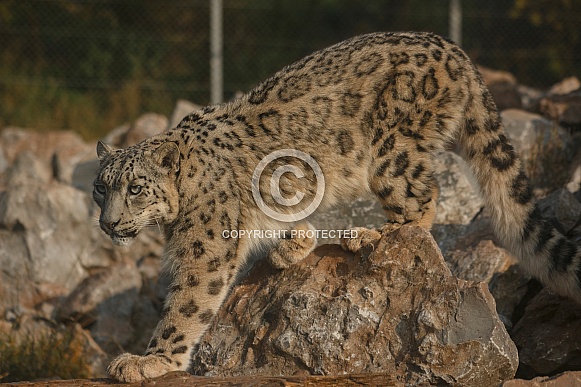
{"x":450,"y":307}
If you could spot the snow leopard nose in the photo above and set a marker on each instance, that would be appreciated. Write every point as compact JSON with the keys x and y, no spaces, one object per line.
{"x":109,"y":226}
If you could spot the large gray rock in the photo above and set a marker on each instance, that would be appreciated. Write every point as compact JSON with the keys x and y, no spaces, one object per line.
{"x":57,"y":151}
{"x":105,"y":302}
{"x":459,"y":200}
{"x":547,"y":336}
{"x":84,"y":174}
{"x":48,"y":238}
{"x":486,"y":262}
{"x":479,"y":263}
{"x":543,"y":146}
{"x":527,"y":130}
{"x":562,"y":209}
{"x":50,"y":224}
{"x":395,"y":310}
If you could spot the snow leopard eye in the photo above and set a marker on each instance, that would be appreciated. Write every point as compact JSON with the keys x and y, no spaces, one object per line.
{"x":100,"y":189}
{"x":135,"y":189}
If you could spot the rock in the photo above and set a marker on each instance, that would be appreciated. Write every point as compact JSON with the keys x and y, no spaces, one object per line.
{"x":116,"y":137}
{"x":564,"y":109}
{"x":84,"y":174}
{"x":566,"y":379}
{"x":394,"y":314}
{"x":459,"y":200}
{"x":562,"y":209}
{"x":50,"y":242}
{"x":566,"y":86}
{"x":93,"y":355}
{"x":471,"y":265}
{"x":60,"y":150}
{"x":147,"y":125}
{"x":506,"y":95}
{"x":544,"y":147}
{"x":68,"y":144}
{"x":395,"y":310}
{"x":530,"y":97}
{"x":503,"y":87}
{"x":50,"y":223}
{"x":359,"y":213}
{"x":145,"y":315}
{"x":474,"y":253}
{"x":15,"y":289}
{"x":547,"y":336}
{"x":491,"y":76}
{"x":26,"y":168}
{"x":182,"y":109}
{"x":123,"y":296}
{"x":104,"y":302}
{"x":526,"y":129}
{"x":495,"y":266}
{"x":48,"y":236}
{"x":510,"y":289}
{"x":38,"y":333}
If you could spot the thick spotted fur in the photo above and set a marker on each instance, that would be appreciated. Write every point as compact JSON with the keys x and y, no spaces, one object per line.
{"x":371,"y":111}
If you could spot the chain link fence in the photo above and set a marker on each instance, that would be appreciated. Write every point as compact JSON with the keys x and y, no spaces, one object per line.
{"x":91,"y":65}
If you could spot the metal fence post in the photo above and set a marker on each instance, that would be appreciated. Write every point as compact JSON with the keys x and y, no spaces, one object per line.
{"x":455,"y":21}
{"x":216,"y":52}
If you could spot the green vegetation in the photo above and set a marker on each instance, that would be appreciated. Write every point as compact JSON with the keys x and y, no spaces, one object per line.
{"x":55,"y":354}
{"x":93,"y":65}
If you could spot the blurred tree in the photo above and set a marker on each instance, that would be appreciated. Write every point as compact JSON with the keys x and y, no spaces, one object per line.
{"x":559,"y":22}
{"x":262,"y":36}
{"x":93,"y":64}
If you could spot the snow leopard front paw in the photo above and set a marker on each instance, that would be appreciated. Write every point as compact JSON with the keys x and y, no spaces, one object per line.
{"x":134,"y":368}
{"x":300,"y":242}
{"x":360,"y":237}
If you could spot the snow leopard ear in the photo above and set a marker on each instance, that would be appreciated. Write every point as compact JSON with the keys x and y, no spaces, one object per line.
{"x":167,"y":156}
{"x":103,"y":151}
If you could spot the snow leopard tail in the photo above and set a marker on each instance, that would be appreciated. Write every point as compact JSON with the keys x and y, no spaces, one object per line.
{"x":542,"y":250}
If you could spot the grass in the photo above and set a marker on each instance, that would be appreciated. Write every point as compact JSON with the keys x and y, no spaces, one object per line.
{"x":58,"y":354}
{"x":44,"y":104}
